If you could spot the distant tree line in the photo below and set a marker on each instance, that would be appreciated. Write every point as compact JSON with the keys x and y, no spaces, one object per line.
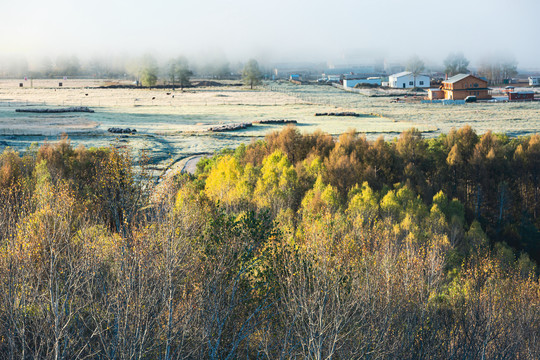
{"x":148,"y":71}
{"x":494,"y":69}
{"x":295,"y":246}
{"x":145,"y":69}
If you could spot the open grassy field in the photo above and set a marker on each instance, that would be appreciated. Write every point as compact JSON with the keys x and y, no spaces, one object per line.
{"x":172,"y":124}
{"x":518,"y":118}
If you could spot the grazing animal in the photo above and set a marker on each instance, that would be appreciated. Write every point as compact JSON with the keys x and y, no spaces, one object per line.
{"x":153,"y":97}
{"x":86,"y":94}
{"x":168,"y":93}
{"x":173,"y":96}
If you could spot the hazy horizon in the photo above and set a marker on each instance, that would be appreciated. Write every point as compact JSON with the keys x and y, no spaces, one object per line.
{"x":341,"y":31}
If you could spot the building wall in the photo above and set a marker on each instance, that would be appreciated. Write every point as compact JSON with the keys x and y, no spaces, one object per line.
{"x":462,"y":94}
{"x":468,"y":83}
{"x":352,"y":82}
{"x":466,"y":87}
{"x":407,"y":81}
{"x":435,"y":94}
{"x":534,"y":81}
{"x":521,"y":96}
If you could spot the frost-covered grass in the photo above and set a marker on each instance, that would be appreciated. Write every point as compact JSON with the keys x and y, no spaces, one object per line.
{"x":173,"y":127}
{"x":194,"y":109}
{"x":517,"y":118}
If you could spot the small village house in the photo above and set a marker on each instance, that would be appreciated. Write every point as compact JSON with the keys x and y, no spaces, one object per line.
{"x":333,"y":78}
{"x":435,"y":94}
{"x":521,"y":96}
{"x":406,"y":80}
{"x":534,"y":81}
{"x":460,"y":86}
{"x":353,"y":80}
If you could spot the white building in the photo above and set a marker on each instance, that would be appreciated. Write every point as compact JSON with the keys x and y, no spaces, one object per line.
{"x":534,"y":81}
{"x":353,"y":82}
{"x":406,"y":80}
{"x":332,"y":78}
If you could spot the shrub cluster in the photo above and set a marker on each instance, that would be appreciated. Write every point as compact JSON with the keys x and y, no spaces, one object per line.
{"x":298,"y":246}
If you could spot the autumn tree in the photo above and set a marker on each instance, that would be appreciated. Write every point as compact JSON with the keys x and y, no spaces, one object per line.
{"x":293,"y":246}
{"x":275,"y":186}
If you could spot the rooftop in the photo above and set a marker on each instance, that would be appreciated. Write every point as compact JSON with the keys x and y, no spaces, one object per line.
{"x":405,"y":73}
{"x":457,"y":78}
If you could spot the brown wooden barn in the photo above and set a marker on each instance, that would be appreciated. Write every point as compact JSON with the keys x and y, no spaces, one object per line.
{"x":521,"y":96}
{"x":460,"y":86}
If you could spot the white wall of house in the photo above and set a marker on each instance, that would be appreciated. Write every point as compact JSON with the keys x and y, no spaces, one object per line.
{"x":407,"y":81}
{"x":334,"y":78}
{"x":534,"y":81}
{"x":352,"y":82}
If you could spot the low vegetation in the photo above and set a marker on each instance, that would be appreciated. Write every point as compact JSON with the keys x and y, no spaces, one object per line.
{"x":295,"y":246}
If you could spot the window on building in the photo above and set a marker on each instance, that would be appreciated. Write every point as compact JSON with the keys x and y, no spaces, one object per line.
{"x":421,"y":83}
{"x":475,"y":85}
{"x":411,"y":83}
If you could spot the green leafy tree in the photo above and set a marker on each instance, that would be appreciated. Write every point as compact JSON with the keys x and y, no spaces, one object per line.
{"x":252,"y":74}
{"x":322,"y":198}
{"x":475,"y":238}
{"x":148,"y":76}
{"x":455,"y":63}
{"x":145,"y":69}
{"x":179,"y":72}
{"x":364,"y":204}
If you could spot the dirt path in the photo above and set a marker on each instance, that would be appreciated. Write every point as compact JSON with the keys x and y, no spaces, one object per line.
{"x":191,"y":164}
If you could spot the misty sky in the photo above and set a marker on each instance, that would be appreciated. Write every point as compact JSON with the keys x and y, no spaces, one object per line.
{"x":277,"y":30}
